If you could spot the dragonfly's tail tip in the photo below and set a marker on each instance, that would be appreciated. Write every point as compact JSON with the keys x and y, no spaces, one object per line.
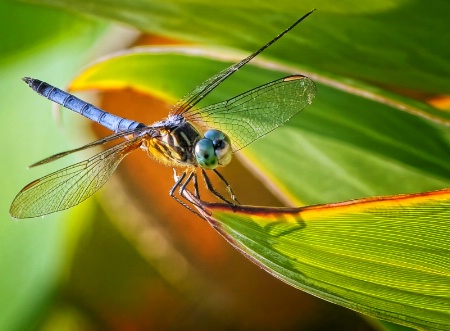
{"x":27,"y":80}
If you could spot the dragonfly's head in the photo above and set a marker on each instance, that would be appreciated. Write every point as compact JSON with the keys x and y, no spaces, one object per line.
{"x":213,"y":150}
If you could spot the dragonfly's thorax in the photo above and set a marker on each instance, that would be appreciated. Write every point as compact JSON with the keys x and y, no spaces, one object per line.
{"x":172,"y":142}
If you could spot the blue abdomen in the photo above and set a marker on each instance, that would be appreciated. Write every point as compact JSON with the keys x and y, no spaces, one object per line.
{"x":69,"y":101}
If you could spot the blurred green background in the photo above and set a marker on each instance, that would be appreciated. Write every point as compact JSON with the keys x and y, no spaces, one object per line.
{"x":130,"y":258}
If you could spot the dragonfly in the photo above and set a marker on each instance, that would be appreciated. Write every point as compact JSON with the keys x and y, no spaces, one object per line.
{"x":196,"y":139}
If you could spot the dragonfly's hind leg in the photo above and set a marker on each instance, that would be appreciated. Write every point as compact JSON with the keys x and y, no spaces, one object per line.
{"x":186,"y":182}
{"x":211,"y":188}
{"x":182,"y":187}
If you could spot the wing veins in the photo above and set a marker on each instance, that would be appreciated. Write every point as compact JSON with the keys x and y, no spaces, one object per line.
{"x":70,"y":185}
{"x":193,"y":97}
{"x":254,"y":113}
{"x":90,"y":145}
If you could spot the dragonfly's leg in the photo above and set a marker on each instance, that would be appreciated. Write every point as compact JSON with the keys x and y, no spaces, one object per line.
{"x":211,"y":188}
{"x":230,"y":190}
{"x":175,"y":176}
{"x":179,"y":183}
{"x":196,"y":191}
{"x":186,"y":182}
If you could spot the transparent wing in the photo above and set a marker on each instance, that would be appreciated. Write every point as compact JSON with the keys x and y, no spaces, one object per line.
{"x":192,"y":98}
{"x":69,"y":186}
{"x":197,"y":94}
{"x":255,"y":113}
{"x":101,"y":141}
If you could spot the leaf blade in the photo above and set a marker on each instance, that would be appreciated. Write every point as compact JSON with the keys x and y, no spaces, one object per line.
{"x":371,"y":255}
{"x":394,"y":39}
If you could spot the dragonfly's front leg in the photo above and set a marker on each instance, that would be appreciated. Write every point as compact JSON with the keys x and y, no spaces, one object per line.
{"x":211,"y":188}
{"x":229,"y":189}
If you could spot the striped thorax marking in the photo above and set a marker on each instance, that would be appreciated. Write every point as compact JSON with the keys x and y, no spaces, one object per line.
{"x":173,"y":144}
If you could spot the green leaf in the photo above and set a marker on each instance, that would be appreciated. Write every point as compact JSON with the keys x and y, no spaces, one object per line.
{"x":392,"y":327}
{"x":385,"y":257}
{"x":391,"y":43}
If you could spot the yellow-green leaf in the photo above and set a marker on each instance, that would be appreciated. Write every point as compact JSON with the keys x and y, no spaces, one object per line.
{"x":394,"y":43}
{"x":387,"y":257}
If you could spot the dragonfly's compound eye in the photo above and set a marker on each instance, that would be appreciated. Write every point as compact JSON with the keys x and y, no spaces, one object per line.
{"x":217,"y":137}
{"x":205,"y":154}
{"x":222,"y":145}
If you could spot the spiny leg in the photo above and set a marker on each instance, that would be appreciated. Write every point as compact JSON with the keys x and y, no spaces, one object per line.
{"x":230,"y":190}
{"x":179,"y":183}
{"x":211,"y":188}
{"x":186,"y":182}
{"x":196,"y":191}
